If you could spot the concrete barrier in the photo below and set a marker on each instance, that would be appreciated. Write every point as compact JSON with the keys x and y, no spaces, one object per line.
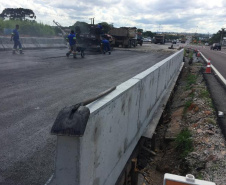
{"x":33,"y":43}
{"x":7,"y":44}
{"x":116,"y":123}
{"x":1,"y":45}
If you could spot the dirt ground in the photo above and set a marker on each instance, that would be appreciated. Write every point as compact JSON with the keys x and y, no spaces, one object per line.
{"x":191,"y":108}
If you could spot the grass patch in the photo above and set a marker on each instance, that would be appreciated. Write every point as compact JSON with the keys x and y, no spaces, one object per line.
{"x":192,"y":95}
{"x":191,"y":79}
{"x":204,"y":94}
{"x":210,"y":103}
{"x":190,"y":54}
{"x":184,"y":144}
{"x":199,"y":176}
{"x":211,"y":121}
{"x":198,"y":64}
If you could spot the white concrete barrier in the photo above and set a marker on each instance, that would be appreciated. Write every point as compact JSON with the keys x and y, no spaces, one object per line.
{"x":116,"y":123}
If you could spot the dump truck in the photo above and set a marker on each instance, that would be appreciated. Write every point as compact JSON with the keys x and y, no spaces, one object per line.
{"x":183,"y":39}
{"x":159,"y":39}
{"x":124,"y":36}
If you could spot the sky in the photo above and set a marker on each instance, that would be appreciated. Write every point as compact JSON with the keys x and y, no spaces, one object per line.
{"x":191,"y":16}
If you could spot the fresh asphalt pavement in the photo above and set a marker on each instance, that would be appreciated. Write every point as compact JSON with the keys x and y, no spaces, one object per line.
{"x":35,"y":87}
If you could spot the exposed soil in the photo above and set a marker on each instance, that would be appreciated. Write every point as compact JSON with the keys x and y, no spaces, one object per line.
{"x":190,"y":108}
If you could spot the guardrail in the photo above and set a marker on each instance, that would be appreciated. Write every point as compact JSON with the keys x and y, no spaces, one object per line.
{"x":116,"y":123}
{"x":32,"y":43}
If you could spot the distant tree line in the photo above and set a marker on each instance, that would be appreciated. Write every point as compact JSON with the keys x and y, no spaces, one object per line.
{"x":216,"y":38}
{"x":32,"y":28}
{"x":27,"y":27}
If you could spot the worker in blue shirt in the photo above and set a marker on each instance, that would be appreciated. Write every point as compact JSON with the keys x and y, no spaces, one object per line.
{"x":16,"y":38}
{"x":71,"y":38}
{"x":106,"y":46}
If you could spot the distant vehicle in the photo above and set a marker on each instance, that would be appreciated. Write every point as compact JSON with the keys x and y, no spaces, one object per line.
{"x":124,"y":36}
{"x":183,"y":39}
{"x":146,"y":39}
{"x":174,"y":41}
{"x":206,"y":44}
{"x":159,"y":39}
{"x":216,"y":46}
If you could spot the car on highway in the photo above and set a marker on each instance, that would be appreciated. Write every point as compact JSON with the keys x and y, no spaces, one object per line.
{"x":147,"y":40}
{"x":174,"y":41}
{"x":216,"y":46}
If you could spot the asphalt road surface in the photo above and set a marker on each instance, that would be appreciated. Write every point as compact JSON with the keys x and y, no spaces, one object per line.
{"x":35,"y":87}
{"x":217,"y":58}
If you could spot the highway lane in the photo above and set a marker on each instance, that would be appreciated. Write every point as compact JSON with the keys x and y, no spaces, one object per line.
{"x":218,"y":58}
{"x":35,"y":87}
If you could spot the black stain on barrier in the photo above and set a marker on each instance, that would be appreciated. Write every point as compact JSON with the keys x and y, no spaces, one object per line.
{"x":123,"y":106}
{"x":138,"y":125}
{"x":151,"y":82}
{"x":129,"y":104}
{"x":119,"y":153}
{"x":97,"y":130}
{"x":148,"y":112}
{"x":125,"y":145}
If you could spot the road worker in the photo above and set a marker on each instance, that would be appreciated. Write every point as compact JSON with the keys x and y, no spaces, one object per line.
{"x":106,"y":46}
{"x":15,"y":37}
{"x":71,"y":38}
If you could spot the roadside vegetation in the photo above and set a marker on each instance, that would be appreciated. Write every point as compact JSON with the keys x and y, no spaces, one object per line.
{"x":184,"y":143}
{"x":216,"y":38}
{"x":27,"y":27}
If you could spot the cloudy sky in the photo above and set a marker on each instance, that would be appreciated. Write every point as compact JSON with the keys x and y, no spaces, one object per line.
{"x":200,"y":16}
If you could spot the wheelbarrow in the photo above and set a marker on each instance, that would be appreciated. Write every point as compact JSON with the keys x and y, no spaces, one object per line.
{"x":81,"y":50}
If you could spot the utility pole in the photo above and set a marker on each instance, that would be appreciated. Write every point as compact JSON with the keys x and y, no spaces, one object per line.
{"x":92,"y":20}
{"x":222,"y":33}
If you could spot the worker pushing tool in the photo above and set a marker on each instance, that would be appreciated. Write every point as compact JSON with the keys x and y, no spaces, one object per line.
{"x":16,"y":38}
{"x":71,"y":38}
{"x":106,"y":46}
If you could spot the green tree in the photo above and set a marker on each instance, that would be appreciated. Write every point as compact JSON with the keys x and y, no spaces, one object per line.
{"x":28,"y":28}
{"x":140,"y":30}
{"x":216,"y":38}
{"x":148,"y":34}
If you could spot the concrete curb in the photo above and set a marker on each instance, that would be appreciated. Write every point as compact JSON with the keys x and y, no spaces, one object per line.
{"x":223,"y":80}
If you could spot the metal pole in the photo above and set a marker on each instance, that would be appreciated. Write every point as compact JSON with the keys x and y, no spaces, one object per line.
{"x":222,"y":33}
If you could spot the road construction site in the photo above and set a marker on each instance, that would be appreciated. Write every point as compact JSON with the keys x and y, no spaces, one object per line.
{"x":37,"y":85}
